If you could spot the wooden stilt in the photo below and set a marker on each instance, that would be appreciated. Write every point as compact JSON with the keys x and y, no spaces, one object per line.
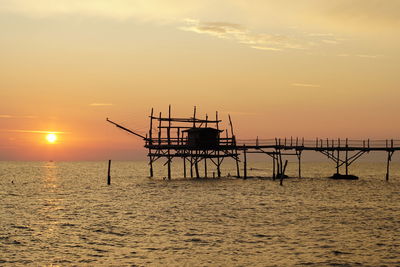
{"x":169,"y":168}
{"x":299,"y":158}
{"x":196,"y":167}
{"x":273,"y":167}
{"x":234,"y":143}
{"x":283,"y":173}
{"x":169,"y":142}
{"x":151,"y":165}
{"x":219,"y":144}
{"x":191,"y":166}
{"x":109,"y":173}
{"x":205,"y":167}
{"x":338,"y":158}
{"x":244,"y":163}
{"x":150,"y":142}
{"x":280,"y":163}
{"x":184,"y":167}
{"x":389,"y":159}
{"x":347,"y":157}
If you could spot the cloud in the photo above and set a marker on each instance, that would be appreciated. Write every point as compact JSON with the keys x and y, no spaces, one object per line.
{"x":305,"y":85}
{"x":5,"y":116}
{"x":369,"y":56}
{"x":100,"y":104}
{"x":360,"y":55}
{"x":266,"y":48}
{"x":260,"y":41}
{"x":239,"y":113}
{"x":362,"y":13}
{"x":146,"y":10}
{"x":33,"y":131}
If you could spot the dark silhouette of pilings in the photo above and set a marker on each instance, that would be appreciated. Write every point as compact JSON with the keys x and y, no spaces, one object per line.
{"x":163,"y":144}
{"x":109,"y":173}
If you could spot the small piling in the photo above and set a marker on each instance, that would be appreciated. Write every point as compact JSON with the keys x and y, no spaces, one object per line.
{"x":109,"y":173}
{"x":283,"y":173}
{"x":244,"y":163}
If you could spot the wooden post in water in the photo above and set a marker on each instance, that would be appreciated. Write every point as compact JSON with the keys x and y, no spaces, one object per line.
{"x":169,"y":142}
{"x":273,"y":167}
{"x":283,"y":173}
{"x":219,"y":144}
{"x":191,"y":164}
{"x":196,"y":167}
{"x":109,"y":173}
{"x":338,"y":157}
{"x":184,"y":167}
{"x":205,"y":164}
{"x":234,"y":143}
{"x":389,"y":158}
{"x":347,"y":156}
{"x":298,"y":153}
{"x":280,"y":162}
{"x":244,"y":163}
{"x":150,"y":142}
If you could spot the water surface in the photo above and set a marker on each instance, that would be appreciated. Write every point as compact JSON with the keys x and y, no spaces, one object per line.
{"x":62,"y":214}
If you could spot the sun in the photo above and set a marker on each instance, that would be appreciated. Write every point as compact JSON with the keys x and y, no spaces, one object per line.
{"x":51,"y":138}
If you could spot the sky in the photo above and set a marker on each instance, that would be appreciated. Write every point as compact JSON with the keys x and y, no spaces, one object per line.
{"x":307,"y":68}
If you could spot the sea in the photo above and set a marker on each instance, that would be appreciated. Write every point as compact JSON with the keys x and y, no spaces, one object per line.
{"x":65,"y":214}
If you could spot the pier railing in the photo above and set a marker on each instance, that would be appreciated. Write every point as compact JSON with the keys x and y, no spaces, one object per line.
{"x":321,"y":143}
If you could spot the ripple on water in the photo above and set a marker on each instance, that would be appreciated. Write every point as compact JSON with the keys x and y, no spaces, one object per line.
{"x":218,"y":222}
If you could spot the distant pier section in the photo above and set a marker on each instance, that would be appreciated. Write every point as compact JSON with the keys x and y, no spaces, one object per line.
{"x":196,"y":140}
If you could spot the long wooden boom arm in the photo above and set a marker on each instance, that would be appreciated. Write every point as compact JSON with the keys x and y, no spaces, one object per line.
{"x":126,"y":129}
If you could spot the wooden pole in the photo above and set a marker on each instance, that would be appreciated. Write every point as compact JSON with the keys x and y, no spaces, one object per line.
{"x":196,"y":167}
{"x":151,"y":142}
{"x":273,"y":167}
{"x":299,"y":158}
{"x":194,"y":117}
{"x":205,"y":165}
{"x":184,"y":167}
{"x":109,"y":173}
{"x":219,"y":144}
{"x":169,"y":142}
{"x":191,"y":164}
{"x":347,"y":157}
{"x":338,"y":157}
{"x":389,"y":158}
{"x":234,"y":143}
{"x":280,"y":163}
{"x":283,"y":173}
{"x":159,"y":130}
{"x":244,"y":163}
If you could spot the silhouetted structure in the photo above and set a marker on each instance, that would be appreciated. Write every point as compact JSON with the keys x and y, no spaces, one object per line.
{"x":194,"y":140}
{"x":191,"y":139}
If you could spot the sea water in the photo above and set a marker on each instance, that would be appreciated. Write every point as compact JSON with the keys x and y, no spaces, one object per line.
{"x":64,"y":214}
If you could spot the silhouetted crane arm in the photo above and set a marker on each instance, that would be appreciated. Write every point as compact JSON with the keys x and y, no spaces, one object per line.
{"x":126,"y":129}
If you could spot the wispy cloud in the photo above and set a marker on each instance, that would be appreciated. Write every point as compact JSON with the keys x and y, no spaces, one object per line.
{"x":33,"y":131}
{"x":305,"y":85}
{"x":369,"y":56}
{"x":100,"y":104}
{"x":360,"y":55}
{"x":260,"y":41}
{"x":239,"y":113}
{"x":6,"y":116}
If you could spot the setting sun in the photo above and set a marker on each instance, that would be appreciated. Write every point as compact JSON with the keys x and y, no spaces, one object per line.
{"x":51,"y":138}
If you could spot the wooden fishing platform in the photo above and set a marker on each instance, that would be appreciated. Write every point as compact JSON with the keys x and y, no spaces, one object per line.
{"x":196,"y":140}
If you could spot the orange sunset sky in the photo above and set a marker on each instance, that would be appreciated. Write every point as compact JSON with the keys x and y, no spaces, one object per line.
{"x":308,"y":68}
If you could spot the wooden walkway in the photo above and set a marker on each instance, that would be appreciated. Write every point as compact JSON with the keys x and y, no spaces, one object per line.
{"x":343,"y":152}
